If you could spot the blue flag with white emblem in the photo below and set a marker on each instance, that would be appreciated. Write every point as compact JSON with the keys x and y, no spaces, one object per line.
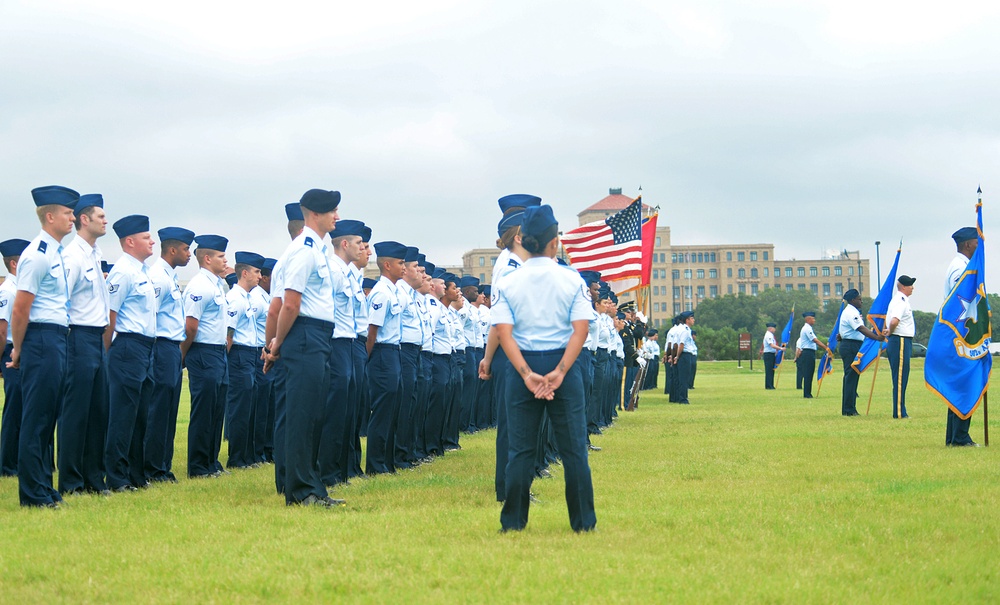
{"x":870,"y":349}
{"x":958,"y":362}
{"x":786,"y":335}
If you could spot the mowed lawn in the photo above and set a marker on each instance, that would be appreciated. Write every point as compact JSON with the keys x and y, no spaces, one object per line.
{"x":745,"y":495}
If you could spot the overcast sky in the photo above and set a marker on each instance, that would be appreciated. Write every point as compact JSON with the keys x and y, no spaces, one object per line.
{"x":815,"y":128}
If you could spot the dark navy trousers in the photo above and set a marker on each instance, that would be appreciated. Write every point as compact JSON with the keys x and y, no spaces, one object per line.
{"x":849,"y":396}
{"x":898,"y":351}
{"x":43,"y":374}
{"x":769,"y":359}
{"x":453,"y":410}
{"x":161,"y":422}
{"x":10,"y":423}
{"x":242,"y":361}
{"x":597,"y":390}
{"x":83,"y":415}
{"x":206,"y":365}
{"x":569,"y":421}
{"x":359,"y":388}
{"x":409,"y":366}
{"x":384,"y":387}
{"x":436,"y":404}
{"x":262,"y":416}
{"x":498,"y":371}
{"x":279,"y":377}
{"x":467,"y":415}
{"x":420,"y":408}
{"x":484,"y":396}
{"x":306,"y":353}
{"x":334,"y":451}
{"x":805,"y":367}
{"x":130,"y":381}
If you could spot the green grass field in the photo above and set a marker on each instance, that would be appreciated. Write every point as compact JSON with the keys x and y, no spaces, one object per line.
{"x":745,"y":495}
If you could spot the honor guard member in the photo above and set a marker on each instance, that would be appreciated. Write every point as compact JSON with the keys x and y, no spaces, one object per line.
{"x":130,"y":355}
{"x":39,"y":327}
{"x":494,"y":365}
{"x":652,"y":355}
{"x":10,"y":424}
{"x":852,"y":333}
{"x":263,"y":400}
{"x":602,"y":361}
{"x":203,"y":352}
{"x":769,"y":350}
{"x":302,"y":340}
{"x":83,"y":416}
{"x":542,"y":331}
{"x":341,"y":413}
{"x":900,"y":329}
{"x":805,"y":361}
{"x":411,"y":342}
{"x":161,"y":422}
{"x":296,"y":223}
{"x":618,"y":374}
{"x":384,"y":337}
{"x":966,"y":241}
{"x":359,"y":389}
{"x":243,"y":351}
{"x":469,"y":318}
{"x":684,"y":358}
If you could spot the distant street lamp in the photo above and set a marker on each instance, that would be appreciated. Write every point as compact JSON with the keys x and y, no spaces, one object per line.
{"x":878,"y":265}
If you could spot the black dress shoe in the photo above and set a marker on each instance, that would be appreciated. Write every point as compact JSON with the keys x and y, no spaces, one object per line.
{"x":969,"y":444}
{"x":544,"y":474}
{"x":807,"y":396}
{"x":533,"y":498}
{"x":593,"y":448}
{"x":335,"y":501}
{"x":124,"y":488}
{"x":52,"y":505}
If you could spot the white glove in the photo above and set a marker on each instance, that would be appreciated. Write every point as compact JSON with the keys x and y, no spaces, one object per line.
{"x":641,"y":362}
{"x":640,"y":316}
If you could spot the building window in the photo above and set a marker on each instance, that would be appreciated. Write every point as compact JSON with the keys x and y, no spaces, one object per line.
{"x":701,"y":257}
{"x":802,"y":286}
{"x":839,"y":288}
{"x":687,"y":273}
{"x":701,"y":291}
{"x":753,"y":255}
{"x":861,"y":270}
{"x":729,"y":256}
{"x":673,"y":257}
{"x":813,"y":272}
{"x":838,"y":271}
{"x":656,"y":274}
{"x":729,"y":288}
{"x":493,"y":260}
{"x":826,"y":271}
{"x":688,"y":307}
{"x":814,"y":288}
{"x":743,"y":288}
{"x":789,"y":287}
{"x":712,"y":255}
{"x":482,"y":261}
{"x":700,"y":274}
{"x":677,"y":292}
{"x":657,"y":242}
{"x":826,"y":289}
{"x":800,"y":271}
{"x":765,"y":254}
{"x":765,"y":271}
{"x":677,"y":307}
{"x":656,"y":290}
{"x":753,"y":272}
{"x":713,"y":273}
{"x":676,"y":274}
{"x":850,"y":270}
{"x":656,"y":307}
{"x":482,"y":278}
{"x":741,"y":273}
{"x":753,"y":289}
{"x":687,"y":292}
{"x":729,"y":272}
{"x":741,"y":256}
{"x":713,"y":291}
{"x":788,"y":271}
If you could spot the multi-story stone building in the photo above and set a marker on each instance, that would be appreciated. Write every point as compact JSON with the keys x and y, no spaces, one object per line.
{"x":684,"y":275}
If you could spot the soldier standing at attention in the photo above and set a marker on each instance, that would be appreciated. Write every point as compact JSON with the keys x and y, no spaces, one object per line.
{"x":769,"y":349}
{"x":805,"y":360}
{"x":242,"y":354}
{"x":852,"y":333}
{"x":966,"y":241}
{"x":10,"y":424}
{"x":83,"y":416}
{"x":900,"y":329}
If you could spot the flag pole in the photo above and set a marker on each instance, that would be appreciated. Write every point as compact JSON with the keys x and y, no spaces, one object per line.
{"x":777,"y":377}
{"x":986,"y":419}
{"x":874,"y":374}
{"x":820,"y":381}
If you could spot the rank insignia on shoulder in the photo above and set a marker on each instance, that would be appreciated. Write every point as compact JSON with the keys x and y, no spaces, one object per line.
{"x":308,"y":242}
{"x":112,"y":288}
{"x":156,"y":292}
{"x":434,"y":302}
{"x":377,"y":306}
{"x":3,"y":303}
{"x":231,"y":313}
{"x":195,"y":298}
{"x":513,"y":263}
{"x":42,"y":247}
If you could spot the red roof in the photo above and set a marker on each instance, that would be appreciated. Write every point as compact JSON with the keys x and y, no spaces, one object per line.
{"x":612,"y":203}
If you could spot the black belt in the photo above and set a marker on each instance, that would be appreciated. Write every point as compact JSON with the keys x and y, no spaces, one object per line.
{"x":162,"y":339}
{"x":40,"y":325}
{"x":854,"y":340}
{"x":343,"y":338}
{"x":91,"y":329}
{"x":387,"y":345}
{"x":140,"y":337}
{"x":410,"y":345}
{"x":207,"y":346}
{"x":247,"y":347}
{"x":896,"y":336}
{"x":312,"y":321}
{"x":363,"y":338}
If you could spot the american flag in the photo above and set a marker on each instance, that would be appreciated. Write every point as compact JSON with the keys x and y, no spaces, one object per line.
{"x":612,"y":246}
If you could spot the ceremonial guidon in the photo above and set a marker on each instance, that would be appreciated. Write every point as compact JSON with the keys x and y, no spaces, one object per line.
{"x":302,"y":339}
{"x":130,"y":356}
{"x":83,"y":416}
{"x":161,"y":422}
{"x":384,"y":338}
{"x":39,"y":327}
{"x":966,"y":242}
{"x":203,"y":352}
{"x":10,"y":423}
{"x":245,"y":340}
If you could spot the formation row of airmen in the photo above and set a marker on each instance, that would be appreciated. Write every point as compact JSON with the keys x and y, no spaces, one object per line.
{"x":291,"y":365}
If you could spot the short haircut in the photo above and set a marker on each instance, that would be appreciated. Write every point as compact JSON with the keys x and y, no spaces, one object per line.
{"x":240,"y":268}
{"x":295,"y":228}
{"x":88,"y":211}
{"x":41,"y":211}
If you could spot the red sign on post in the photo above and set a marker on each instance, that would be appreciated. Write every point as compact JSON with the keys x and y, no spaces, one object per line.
{"x":745,"y":341}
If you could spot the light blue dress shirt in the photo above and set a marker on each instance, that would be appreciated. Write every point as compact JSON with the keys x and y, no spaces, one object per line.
{"x":131,"y":296}
{"x":307,"y":271}
{"x":41,"y":271}
{"x":169,"y":306}
{"x":542,"y":316}
{"x":205,"y":300}
{"x":344,"y":325}
{"x":413,"y":330}
{"x":806,"y":336}
{"x":442,"y":327}
{"x":360,"y":300}
{"x":260,"y":299}
{"x":241,"y":317}
{"x":385,"y":311}
{"x":88,"y":292}
{"x":850,"y":321}
{"x":8,"y":290}
{"x":423,"y":308}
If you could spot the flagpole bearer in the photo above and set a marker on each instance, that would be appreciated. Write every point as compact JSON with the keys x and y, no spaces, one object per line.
{"x":986,"y":419}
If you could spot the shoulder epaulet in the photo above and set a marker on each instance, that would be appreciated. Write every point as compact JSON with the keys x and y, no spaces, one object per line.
{"x":513,"y":263}
{"x":308,"y":241}
{"x":42,"y":246}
